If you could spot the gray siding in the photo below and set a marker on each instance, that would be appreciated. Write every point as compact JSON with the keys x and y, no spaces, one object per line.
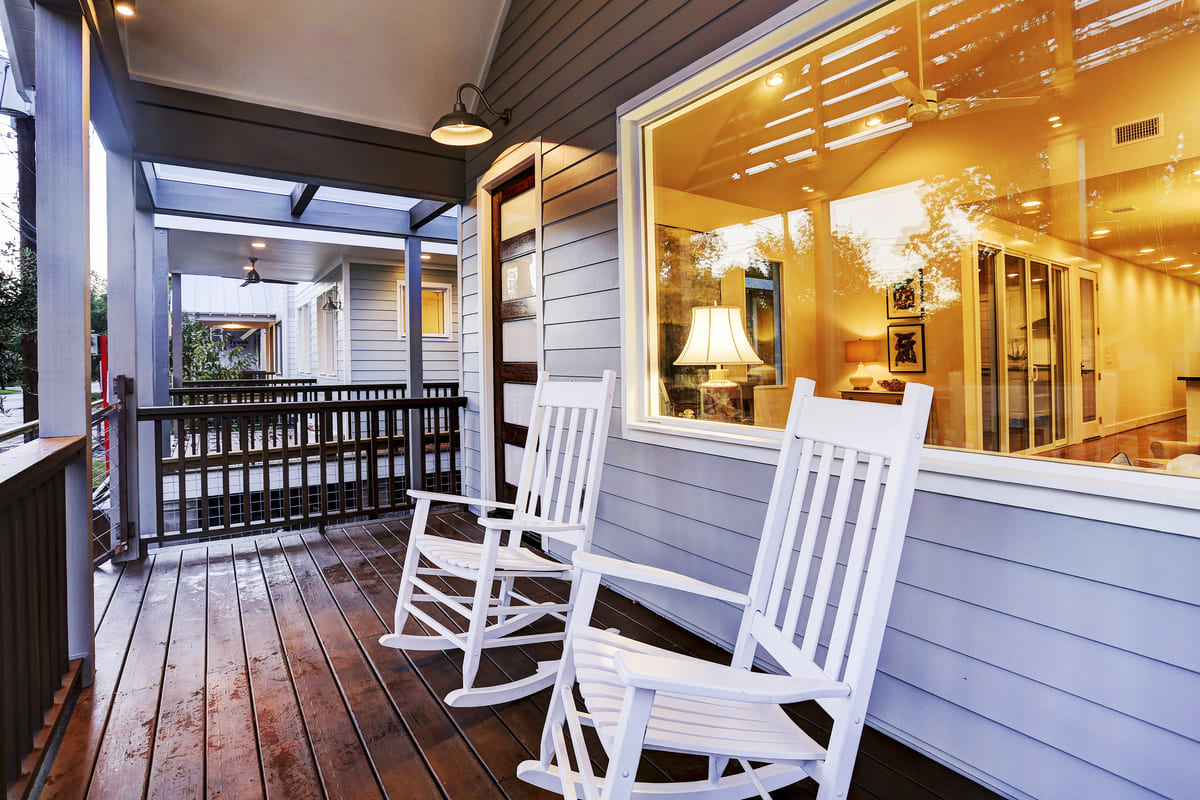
{"x":1047,"y":656}
{"x":377,"y":352}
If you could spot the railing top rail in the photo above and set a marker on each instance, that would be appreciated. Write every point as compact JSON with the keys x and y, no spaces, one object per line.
{"x":306,"y":387}
{"x":30,"y":464}
{"x":248,"y":382}
{"x":149,"y":413}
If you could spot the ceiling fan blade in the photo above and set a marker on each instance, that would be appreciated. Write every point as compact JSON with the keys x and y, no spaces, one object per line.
{"x":246,"y":282}
{"x":958,"y":106}
{"x":277,"y":280}
{"x":905,"y":86}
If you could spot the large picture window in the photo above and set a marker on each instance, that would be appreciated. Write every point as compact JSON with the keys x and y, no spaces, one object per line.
{"x":1000,"y":201}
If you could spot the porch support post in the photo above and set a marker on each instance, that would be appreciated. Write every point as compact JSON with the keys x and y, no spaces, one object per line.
{"x":123,"y":343}
{"x":176,"y":330}
{"x":414,"y":357}
{"x":152,"y":372}
{"x":64,"y":305}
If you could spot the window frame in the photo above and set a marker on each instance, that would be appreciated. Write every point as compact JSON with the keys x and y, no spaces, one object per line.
{"x":426,"y":286}
{"x":1071,"y":488}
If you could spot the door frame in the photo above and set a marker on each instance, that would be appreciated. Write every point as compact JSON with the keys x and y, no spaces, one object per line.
{"x":509,"y":164}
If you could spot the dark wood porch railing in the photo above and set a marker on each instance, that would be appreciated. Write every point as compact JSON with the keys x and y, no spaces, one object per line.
{"x":233,"y":469}
{"x":281,"y":392}
{"x":33,"y":592}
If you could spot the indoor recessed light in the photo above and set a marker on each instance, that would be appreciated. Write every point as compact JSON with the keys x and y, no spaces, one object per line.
{"x":1031,"y":204}
{"x":425,"y":256}
{"x":1055,"y":118}
{"x":258,"y":245}
{"x":1168,"y":258}
{"x":124,"y":8}
{"x":1101,"y":232}
{"x":807,"y":188}
{"x":1055,"y":124}
{"x":775,"y":79}
{"x":1185,"y":266}
{"x":1146,"y":250}
{"x":874,"y":122}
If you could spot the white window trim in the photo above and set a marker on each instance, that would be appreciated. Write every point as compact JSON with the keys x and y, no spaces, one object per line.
{"x":331,"y":319}
{"x":304,"y":338}
{"x":1157,"y":501}
{"x":401,"y":317}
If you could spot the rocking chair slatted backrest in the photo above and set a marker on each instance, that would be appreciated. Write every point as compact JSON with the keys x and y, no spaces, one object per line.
{"x":833,"y":533}
{"x":566,"y":439}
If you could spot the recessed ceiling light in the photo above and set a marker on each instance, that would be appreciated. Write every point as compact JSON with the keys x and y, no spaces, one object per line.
{"x":247,"y":267}
{"x":1055,"y":124}
{"x":1101,"y":232}
{"x":258,"y":245}
{"x":874,"y":122}
{"x":425,"y":256}
{"x":124,"y":8}
{"x":807,"y":188}
{"x":775,"y":79}
{"x":1055,"y":118}
{"x":1031,"y":204}
{"x":1146,"y":250}
{"x":1168,"y":258}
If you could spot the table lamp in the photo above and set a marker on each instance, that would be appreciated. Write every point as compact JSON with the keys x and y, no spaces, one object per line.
{"x":718,"y":337}
{"x":860,"y":350}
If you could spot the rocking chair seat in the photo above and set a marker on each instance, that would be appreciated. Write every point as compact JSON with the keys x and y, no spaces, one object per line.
{"x":683,"y":723}
{"x":459,"y":556}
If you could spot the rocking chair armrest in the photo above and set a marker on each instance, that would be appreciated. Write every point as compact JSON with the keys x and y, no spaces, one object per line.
{"x":531,"y":526}
{"x":438,"y":497}
{"x":683,"y":675}
{"x":616,"y":568}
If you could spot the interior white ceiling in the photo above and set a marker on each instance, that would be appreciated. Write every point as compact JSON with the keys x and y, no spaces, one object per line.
{"x":390,"y":63}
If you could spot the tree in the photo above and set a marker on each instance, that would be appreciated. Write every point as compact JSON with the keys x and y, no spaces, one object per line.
{"x":18,"y":313}
{"x":205,"y":357}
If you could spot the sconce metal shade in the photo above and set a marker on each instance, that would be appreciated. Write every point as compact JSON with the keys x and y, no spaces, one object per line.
{"x":331,"y":304}
{"x":718,"y":337}
{"x":461,"y":128}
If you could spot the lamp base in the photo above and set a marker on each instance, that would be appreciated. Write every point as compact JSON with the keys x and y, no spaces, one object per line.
{"x":719,"y":401}
{"x":861,"y":380}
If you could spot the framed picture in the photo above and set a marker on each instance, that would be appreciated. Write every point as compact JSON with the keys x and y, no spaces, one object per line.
{"x":906,"y":348}
{"x":906,"y":298}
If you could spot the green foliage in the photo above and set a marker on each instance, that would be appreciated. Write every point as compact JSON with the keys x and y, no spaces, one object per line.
{"x":18,"y":311}
{"x":205,"y":357}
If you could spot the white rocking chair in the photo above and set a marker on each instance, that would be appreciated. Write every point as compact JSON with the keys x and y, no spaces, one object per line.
{"x":557,"y":491}
{"x":855,"y":465}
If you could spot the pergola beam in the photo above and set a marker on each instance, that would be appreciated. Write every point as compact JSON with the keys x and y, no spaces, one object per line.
{"x":302,"y":195}
{"x":245,"y":205}
{"x":426,"y":211}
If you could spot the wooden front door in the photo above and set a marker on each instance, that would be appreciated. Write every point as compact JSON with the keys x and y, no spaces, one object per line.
{"x":516,"y":284}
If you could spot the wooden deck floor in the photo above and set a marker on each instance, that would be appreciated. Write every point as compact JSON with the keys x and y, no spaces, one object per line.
{"x":251,"y":669}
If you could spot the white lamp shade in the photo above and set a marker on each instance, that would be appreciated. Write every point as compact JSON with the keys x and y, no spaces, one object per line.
{"x":717,"y":336}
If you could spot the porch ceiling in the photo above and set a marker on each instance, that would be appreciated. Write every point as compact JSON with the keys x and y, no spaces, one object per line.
{"x":393,"y":64}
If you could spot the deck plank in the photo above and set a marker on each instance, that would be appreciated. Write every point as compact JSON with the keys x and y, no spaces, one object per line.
{"x":231,"y":754}
{"x":71,"y":773}
{"x":289,"y":769}
{"x":397,"y":762}
{"x":122,"y":765}
{"x":346,"y":773}
{"x":177,"y":763}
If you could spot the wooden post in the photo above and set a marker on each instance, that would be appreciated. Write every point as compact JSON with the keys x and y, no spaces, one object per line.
{"x":64,"y":306}
{"x":414,"y":356}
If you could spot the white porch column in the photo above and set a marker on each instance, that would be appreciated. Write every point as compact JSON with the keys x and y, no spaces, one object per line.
{"x":64,"y":307}
{"x":150,"y":266}
{"x":414,"y":355}
{"x":176,"y":330}
{"x":123,"y":340}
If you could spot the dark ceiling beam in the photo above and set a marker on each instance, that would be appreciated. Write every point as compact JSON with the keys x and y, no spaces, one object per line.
{"x":190,"y":129}
{"x":302,"y":195}
{"x":243,"y":205}
{"x":426,"y":211}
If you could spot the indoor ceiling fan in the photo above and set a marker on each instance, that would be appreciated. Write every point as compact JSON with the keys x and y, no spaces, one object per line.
{"x":924,"y":105}
{"x":252,"y":276}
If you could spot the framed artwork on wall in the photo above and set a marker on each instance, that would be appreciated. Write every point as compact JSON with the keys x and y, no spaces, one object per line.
{"x":906,"y":348}
{"x":905,"y":298}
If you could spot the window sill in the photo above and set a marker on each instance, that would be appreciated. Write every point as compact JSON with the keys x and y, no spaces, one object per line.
{"x":1133,"y":497}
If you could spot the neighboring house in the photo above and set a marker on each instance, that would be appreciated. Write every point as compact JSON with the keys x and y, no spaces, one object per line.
{"x":242,"y":317}
{"x":364,"y":327}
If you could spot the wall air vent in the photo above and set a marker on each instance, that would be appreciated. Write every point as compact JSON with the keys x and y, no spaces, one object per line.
{"x":1130,"y":132}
